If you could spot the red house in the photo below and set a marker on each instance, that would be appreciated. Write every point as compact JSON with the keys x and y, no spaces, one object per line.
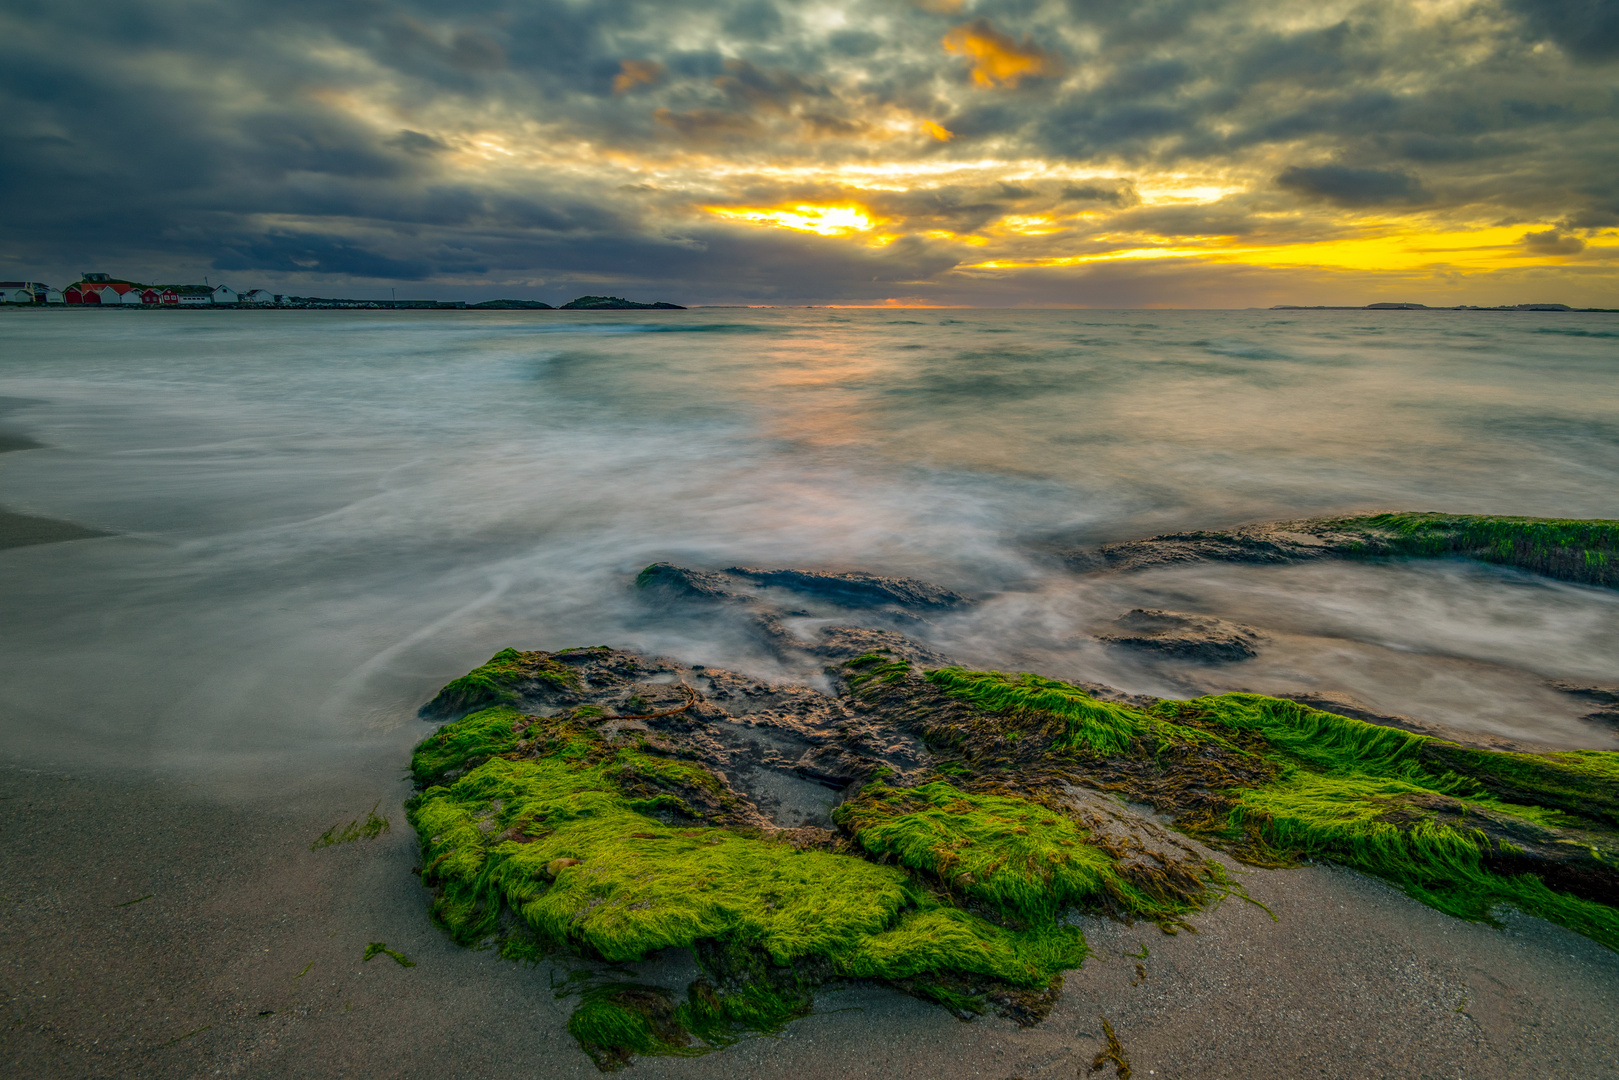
{"x":101,"y":289}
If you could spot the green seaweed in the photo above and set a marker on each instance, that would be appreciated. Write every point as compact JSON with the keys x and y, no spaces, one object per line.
{"x":496,"y":682}
{"x":368,"y":828}
{"x":482,"y":734}
{"x":1112,"y":1052}
{"x":380,"y":948}
{"x":1096,"y":727}
{"x":1572,"y":549}
{"x":599,"y":850}
{"x":1404,"y":807}
{"x":1016,"y":857}
{"x":542,"y":837}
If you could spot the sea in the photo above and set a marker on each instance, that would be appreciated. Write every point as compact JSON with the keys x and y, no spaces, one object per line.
{"x":318,"y":517}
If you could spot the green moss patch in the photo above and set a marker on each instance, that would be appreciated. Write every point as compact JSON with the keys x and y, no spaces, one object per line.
{"x":1572,"y":549}
{"x":1016,"y":857}
{"x":608,"y":835}
{"x":497,"y":682}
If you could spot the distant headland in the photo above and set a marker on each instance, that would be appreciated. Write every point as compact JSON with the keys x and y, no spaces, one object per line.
{"x":1425,"y":307}
{"x":104,"y":291}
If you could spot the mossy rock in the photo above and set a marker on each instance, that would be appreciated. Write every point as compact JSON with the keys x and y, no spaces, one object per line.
{"x":598,"y":815}
{"x":1572,"y":549}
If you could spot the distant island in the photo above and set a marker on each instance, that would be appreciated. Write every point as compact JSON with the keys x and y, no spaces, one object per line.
{"x":1425,"y":307}
{"x":616,"y":303}
{"x":583,"y":303}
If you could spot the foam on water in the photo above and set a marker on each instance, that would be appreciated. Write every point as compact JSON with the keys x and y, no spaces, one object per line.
{"x":324,"y":515}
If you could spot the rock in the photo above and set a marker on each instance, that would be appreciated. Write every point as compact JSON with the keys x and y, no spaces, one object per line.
{"x":1586,"y":551}
{"x":1188,"y":637}
{"x":935,"y":825}
{"x":677,"y":581}
{"x":1605,"y":698}
{"x":857,"y":589}
{"x":884,"y":597}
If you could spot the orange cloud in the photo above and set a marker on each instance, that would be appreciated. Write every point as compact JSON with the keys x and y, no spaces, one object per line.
{"x":633,"y":73}
{"x":824,"y":220}
{"x":943,"y":134}
{"x":997,"y":59}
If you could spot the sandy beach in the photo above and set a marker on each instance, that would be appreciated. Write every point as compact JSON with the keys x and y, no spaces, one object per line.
{"x":244,"y":959}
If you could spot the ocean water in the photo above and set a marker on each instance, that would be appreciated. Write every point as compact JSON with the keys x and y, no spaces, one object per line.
{"x":322,"y":516}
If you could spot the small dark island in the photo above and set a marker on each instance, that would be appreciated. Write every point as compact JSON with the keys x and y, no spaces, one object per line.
{"x":616,"y":303}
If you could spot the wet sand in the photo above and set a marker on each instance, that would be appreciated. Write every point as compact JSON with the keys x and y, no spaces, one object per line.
{"x":202,"y":977}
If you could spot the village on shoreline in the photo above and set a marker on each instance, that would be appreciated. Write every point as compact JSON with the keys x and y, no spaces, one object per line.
{"x":97,"y":290}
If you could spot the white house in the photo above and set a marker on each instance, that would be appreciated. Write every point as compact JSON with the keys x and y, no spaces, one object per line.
{"x":255,"y":296}
{"x":224,"y":294}
{"x":21,"y":292}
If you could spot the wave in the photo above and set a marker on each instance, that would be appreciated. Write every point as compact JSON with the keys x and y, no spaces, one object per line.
{"x":1570,"y":331}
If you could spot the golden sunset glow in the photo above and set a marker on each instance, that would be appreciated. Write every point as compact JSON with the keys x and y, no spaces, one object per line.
{"x":821,"y":220}
{"x":997,"y":60}
{"x":978,"y":152}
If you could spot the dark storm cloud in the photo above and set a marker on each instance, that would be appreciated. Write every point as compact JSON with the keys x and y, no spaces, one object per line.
{"x":1346,"y":186}
{"x":1586,"y":29}
{"x":1552,"y":242}
{"x":364,"y":141}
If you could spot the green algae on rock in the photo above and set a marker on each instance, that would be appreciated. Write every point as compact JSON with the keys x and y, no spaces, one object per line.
{"x":1585,"y":551}
{"x":596,"y":804}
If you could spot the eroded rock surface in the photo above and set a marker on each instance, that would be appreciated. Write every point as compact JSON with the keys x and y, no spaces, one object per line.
{"x":1574,"y":550}
{"x":1604,"y":700}
{"x":1186,"y":636}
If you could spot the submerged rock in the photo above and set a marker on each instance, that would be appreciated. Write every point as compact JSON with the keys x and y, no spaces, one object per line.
{"x":1604,"y":698}
{"x":1188,"y":637}
{"x":928,"y":826}
{"x":857,"y":589}
{"x":1573,"y":550}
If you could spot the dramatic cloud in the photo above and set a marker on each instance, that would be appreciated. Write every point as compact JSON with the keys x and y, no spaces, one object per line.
{"x":1344,"y":186}
{"x":855,"y":151}
{"x":998,"y":60}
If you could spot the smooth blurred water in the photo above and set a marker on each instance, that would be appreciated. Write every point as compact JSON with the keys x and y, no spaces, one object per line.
{"x":324,"y":515}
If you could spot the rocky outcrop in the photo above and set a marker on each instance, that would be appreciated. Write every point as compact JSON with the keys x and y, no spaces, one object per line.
{"x":616,"y":303}
{"x":1184,"y":636}
{"x":928,"y":826}
{"x":1574,"y":550}
{"x":512,"y":305}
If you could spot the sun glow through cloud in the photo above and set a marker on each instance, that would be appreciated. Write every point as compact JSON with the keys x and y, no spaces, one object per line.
{"x":997,"y":59}
{"x":1026,"y":146}
{"x":822,"y":220}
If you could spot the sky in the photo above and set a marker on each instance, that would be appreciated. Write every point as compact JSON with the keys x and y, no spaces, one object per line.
{"x":1090,"y":153}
